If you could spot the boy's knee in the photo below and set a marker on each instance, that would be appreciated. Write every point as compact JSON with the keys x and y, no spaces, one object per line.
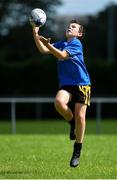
{"x":58,"y":103}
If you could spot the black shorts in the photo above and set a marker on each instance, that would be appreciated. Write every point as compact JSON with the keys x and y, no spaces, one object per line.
{"x":80,"y":94}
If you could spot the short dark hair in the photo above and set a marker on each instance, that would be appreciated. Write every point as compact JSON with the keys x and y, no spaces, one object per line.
{"x":81,"y":29}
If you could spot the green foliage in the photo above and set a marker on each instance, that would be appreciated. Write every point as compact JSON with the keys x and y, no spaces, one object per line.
{"x":23,"y":68}
{"x":16,"y":32}
{"x":33,"y":78}
{"x":15,"y":13}
{"x":97,"y":33}
{"x":39,"y":77}
{"x":103,"y":78}
{"x":24,"y":71}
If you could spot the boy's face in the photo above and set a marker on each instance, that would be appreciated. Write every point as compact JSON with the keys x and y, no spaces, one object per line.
{"x":73,"y":31}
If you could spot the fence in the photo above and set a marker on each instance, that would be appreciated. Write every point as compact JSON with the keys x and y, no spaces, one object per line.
{"x":13,"y":101}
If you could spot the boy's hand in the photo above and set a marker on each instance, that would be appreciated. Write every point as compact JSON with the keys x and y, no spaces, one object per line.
{"x":31,"y":22}
{"x":44,"y":40}
{"x":35,"y":30}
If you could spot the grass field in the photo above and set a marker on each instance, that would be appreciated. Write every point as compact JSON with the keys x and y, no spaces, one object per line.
{"x":46,"y":153}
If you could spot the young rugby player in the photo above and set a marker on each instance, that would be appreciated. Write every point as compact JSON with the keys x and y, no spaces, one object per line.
{"x":74,"y":81}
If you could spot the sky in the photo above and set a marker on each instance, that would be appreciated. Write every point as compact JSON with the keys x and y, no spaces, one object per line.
{"x":83,"y":7}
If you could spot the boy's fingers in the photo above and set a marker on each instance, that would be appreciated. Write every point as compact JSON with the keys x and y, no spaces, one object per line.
{"x":49,"y":39}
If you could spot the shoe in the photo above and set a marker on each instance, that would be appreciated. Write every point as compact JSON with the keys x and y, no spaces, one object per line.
{"x":72,"y":135}
{"x":75,"y":160}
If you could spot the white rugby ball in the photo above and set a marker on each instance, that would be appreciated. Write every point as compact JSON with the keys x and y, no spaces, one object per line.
{"x":37,"y":17}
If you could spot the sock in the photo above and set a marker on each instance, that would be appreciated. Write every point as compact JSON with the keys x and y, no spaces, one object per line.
{"x":71,"y":105}
{"x":72,"y":122}
{"x":78,"y":146}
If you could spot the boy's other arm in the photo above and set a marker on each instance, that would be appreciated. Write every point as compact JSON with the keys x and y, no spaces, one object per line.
{"x":40,"y":46}
{"x":56,"y":52}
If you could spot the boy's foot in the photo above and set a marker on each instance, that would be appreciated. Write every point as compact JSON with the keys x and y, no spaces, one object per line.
{"x":75,"y":160}
{"x":72,"y":135}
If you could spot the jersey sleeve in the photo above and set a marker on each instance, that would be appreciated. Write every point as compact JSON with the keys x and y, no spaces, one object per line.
{"x":73,"y":48}
{"x":57,"y":44}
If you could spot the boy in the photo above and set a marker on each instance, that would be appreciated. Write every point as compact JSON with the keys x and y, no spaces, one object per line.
{"x":74,"y":81}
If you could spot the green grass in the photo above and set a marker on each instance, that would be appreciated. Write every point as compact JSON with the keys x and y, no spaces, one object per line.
{"x":56,"y":127}
{"x":47,"y":157}
{"x":42,"y":150}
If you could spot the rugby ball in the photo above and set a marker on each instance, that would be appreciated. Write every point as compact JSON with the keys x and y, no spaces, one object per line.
{"x":37,"y":17}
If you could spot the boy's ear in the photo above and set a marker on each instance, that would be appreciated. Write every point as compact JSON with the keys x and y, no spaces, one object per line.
{"x":80,"y":34}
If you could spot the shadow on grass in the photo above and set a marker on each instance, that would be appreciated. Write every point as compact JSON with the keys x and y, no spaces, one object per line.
{"x":13,"y":172}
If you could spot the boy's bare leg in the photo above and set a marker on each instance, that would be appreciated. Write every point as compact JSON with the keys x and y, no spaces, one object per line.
{"x":61,"y":104}
{"x":80,"y":115}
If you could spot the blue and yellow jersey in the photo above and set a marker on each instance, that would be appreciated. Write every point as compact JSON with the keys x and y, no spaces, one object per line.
{"x":72,"y":71}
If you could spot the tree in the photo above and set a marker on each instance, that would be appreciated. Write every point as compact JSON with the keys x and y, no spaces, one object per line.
{"x":24,"y":71}
{"x":97,"y":32}
{"x":15,"y":31}
{"x":14,"y":13}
